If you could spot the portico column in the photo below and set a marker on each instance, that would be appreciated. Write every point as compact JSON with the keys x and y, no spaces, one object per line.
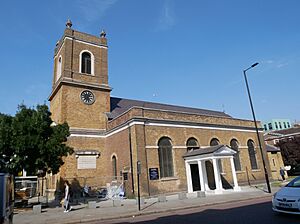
{"x":201,"y":175}
{"x":217,"y":177}
{"x":206,"y":187}
{"x":188,"y":177}
{"x":235,"y":183}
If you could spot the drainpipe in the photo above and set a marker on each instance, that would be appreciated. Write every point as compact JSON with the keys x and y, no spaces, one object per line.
{"x":131,"y":162}
{"x":146,"y":158}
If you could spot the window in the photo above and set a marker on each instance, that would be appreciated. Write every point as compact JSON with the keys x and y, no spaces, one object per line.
{"x":284,"y":124}
{"x":58,"y":69}
{"x":192,"y":144}
{"x":276,"y":126}
{"x":280,"y":125}
{"x":265,"y":127}
{"x":252,"y":156}
{"x":236,"y":158}
{"x":86,"y":63}
{"x":214,"y":142}
{"x":114,"y":167}
{"x":270,"y":126}
{"x":165,"y":157}
{"x":274,"y":162}
{"x":288,"y":124}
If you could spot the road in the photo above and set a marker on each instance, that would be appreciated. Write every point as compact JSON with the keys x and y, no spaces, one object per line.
{"x":251,"y":211}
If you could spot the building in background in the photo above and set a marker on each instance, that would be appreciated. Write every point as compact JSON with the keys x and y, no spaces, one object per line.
{"x":276,"y":124}
{"x":288,"y":140}
{"x":275,"y":161}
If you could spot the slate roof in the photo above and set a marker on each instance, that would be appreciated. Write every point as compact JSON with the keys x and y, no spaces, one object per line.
{"x":271,"y":148}
{"x":207,"y":150}
{"x":288,"y":131}
{"x":120,"y":105}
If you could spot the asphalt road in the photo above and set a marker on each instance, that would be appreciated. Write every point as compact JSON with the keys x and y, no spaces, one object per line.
{"x":252,"y":211}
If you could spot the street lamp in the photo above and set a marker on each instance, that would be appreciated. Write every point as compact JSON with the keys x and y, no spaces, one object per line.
{"x":261,"y":151}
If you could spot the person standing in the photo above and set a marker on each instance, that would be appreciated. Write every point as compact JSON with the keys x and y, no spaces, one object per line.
{"x":67,"y":197}
{"x":282,"y":173}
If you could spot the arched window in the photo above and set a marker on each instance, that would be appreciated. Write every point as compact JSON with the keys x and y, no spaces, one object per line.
{"x":192,"y":144}
{"x":214,"y":142}
{"x":236,"y":158}
{"x":252,"y":156}
{"x":114,"y":167}
{"x":58,"y":69}
{"x":86,"y":63}
{"x":165,"y":157}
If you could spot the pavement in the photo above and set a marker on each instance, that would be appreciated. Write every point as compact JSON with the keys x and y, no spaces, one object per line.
{"x":105,"y":210}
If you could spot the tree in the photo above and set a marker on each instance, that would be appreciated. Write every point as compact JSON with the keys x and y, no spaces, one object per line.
{"x":29,"y":141}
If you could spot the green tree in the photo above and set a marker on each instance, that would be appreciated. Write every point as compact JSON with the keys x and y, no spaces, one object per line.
{"x":30,"y":142}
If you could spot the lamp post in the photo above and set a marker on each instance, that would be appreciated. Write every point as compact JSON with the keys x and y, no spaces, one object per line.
{"x":261,"y":151}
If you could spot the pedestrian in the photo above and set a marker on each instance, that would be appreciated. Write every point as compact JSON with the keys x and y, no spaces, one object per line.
{"x":282,"y":173}
{"x":67,"y":197}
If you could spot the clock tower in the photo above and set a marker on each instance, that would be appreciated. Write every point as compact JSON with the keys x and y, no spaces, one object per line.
{"x":80,"y":92}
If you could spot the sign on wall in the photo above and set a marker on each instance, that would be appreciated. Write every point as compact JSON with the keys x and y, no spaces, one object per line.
{"x":86,"y":162}
{"x":153,"y":174}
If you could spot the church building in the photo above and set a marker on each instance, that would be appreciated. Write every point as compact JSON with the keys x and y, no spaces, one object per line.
{"x":168,"y":148}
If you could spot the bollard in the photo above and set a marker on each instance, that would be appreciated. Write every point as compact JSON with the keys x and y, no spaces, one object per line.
{"x":37,"y":209}
{"x":182,"y":196}
{"x":142,"y":200}
{"x":92,"y":204}
{"x":161,"y":198}
{"x":201,"y":194}
{"x":116,"y":203}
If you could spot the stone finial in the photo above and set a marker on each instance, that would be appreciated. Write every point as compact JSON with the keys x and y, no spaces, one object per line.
{"x":102,"y":34}
{"x":69,"y":23}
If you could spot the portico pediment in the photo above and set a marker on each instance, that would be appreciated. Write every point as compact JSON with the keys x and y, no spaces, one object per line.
{"x":208,"y":152}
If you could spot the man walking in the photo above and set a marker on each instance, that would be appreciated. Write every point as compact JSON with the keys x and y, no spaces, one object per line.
{"x":67,"y":197}
{"x":282,"y":173}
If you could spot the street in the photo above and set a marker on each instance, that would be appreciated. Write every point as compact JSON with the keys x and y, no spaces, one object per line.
{"x":251,"y":211}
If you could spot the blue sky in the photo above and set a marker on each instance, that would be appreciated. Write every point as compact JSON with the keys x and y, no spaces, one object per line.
{"x":183,"y":52}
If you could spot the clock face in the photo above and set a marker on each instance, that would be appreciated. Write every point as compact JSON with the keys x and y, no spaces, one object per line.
{"x":87,"y":97}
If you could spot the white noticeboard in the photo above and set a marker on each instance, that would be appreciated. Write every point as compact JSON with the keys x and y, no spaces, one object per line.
{"x":86,"y":162}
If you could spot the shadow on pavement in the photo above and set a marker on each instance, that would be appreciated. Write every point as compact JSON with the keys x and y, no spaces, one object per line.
{"x":256,"y":213}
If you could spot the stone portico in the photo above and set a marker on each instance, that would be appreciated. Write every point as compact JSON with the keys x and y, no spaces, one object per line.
{"x":200,"y":159}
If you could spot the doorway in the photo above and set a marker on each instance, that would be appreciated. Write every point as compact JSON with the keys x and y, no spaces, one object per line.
{"x":210,"y":175}
{"x":195,"y":177}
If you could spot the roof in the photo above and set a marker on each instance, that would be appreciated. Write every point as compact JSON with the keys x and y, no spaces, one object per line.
{"x":288,"y":131}
{"x":120,"y":105}
{"x":216,"y":150}
{"x":271,"y":148}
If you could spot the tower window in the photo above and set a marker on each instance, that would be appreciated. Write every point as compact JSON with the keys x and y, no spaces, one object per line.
{"x":58,"y":69}
{"x":86,"y":63}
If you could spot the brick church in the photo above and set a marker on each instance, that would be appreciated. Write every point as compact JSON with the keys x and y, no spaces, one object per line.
{"x":177,"y":148}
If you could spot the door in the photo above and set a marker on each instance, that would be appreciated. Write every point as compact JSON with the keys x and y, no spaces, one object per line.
{"x":195,"y":177}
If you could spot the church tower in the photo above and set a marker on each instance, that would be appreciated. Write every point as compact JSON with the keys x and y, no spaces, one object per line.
{"x":80,"y":92}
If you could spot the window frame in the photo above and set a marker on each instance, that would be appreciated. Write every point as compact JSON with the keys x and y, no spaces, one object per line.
{"x":92,"y":62}
{"x":252,"y":155}
{"x":165,"y":157}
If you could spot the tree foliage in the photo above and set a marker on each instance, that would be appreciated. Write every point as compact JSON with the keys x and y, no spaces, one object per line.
{"x":290,"y":150}
{"x":29,"y":141}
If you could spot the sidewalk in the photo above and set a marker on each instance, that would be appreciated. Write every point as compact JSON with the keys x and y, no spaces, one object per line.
{"x":105,"y":210}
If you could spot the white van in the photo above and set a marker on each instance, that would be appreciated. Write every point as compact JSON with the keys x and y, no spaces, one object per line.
{"x":7,"y":198}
